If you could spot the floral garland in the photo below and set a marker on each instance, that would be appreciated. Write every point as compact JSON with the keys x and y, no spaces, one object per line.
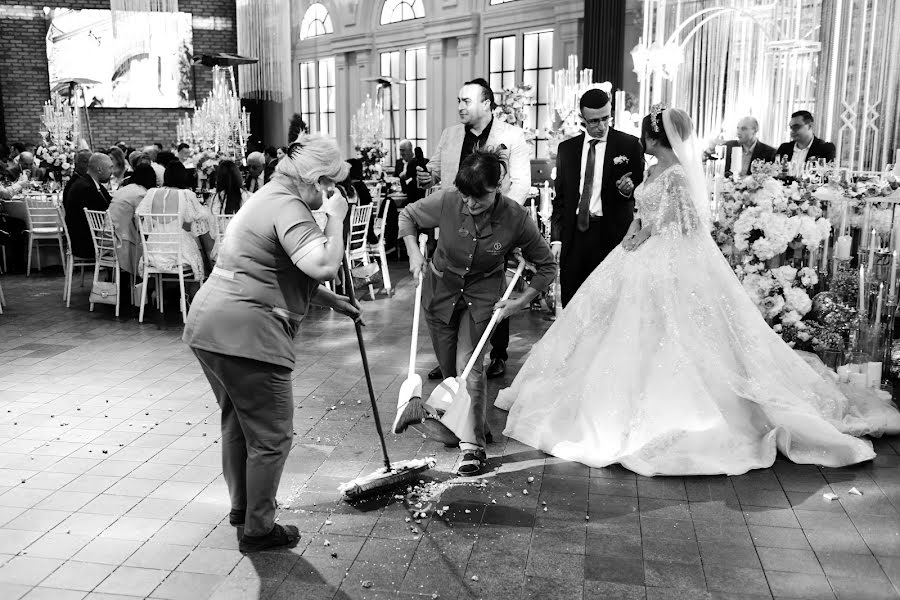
{"x":759,"y":219}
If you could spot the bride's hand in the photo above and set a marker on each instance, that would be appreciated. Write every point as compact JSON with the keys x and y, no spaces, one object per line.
{"x":632,"y":242}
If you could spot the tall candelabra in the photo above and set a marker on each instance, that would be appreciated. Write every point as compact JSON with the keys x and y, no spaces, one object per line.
{"x":220,"y":124}
{"x":367,"y":131}
{"x":563,"y":95}
{"x":59,"y":122}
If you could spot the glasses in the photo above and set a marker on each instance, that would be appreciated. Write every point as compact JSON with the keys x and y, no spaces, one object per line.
{"x":797,"y":127}
{"x":598,"y":121}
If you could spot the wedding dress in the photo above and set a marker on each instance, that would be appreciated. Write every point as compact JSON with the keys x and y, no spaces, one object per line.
{"x":662,"y":363}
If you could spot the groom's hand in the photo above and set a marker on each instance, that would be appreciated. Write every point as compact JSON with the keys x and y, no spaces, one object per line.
{"x":625,"y":185}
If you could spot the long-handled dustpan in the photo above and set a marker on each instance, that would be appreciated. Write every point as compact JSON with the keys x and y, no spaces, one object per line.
{"x":409,"y":401}
{"x":451,"y":400}
{"x":392,"y":474}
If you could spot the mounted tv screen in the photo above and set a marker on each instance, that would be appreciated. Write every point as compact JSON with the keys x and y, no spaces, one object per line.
{"x":122,"y":59}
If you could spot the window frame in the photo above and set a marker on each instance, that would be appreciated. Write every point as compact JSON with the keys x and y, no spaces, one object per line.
{"x":312,"y":110}
{"x":394,"y":5}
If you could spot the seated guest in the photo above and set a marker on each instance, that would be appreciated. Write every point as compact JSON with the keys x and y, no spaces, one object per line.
{"x":753,"y":149}
{"x":152,"y":152}
{"x":420,"y":159}
{"x":280,"y":153}
{"x":164,"y":157}
{"x":82,"y":157}
{"x":230,"y":193}
{"x":804,"y":145}
{"x":87,"y":192}
{"x":124,"y":203}
{"x":405,"y":169}
{"x":355,"y":179}
{"x":185,"y":154}
{"x":174,"y":197}
{"x":256,"y":165}
{"x":271,"y":158}
{"x":25,"y":168}
{"x":121,"y":168}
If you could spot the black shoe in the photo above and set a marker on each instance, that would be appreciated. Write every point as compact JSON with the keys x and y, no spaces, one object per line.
{"x":435,"y":373}
{"x":278,"y":537}
{"x":497,"y":368}
{"x":236,"y":517}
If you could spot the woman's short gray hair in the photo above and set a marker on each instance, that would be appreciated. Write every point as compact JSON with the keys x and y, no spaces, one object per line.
{"x":311,"y":157}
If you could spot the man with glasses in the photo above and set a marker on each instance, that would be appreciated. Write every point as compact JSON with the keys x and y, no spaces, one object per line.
{"x":804,"y":145}
{"x":596,"y":173}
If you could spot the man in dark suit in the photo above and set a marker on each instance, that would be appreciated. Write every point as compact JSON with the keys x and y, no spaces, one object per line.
{"x":596,"y":173}
{"x":271,"y":157}
{"x":82,"y":158}
{"x":804,"y":145}
{"x":87,"y":192}
{"x":753,"y":149}
{"x":24,"y":165}
{"x":405,"y":170}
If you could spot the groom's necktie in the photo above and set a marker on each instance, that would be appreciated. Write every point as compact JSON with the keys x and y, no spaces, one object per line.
{"x":584,"y":205}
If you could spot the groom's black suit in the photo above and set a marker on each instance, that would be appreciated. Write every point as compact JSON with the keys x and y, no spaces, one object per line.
{"x":582,"y":251}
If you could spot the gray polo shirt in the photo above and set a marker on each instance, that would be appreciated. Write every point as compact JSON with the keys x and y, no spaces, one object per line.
{"x":254,"y":301}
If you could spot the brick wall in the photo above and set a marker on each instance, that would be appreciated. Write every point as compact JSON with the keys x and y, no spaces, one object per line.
{"x":24,"y":74}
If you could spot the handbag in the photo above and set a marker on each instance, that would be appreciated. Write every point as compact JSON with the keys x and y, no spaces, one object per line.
{"x":104,"y":292}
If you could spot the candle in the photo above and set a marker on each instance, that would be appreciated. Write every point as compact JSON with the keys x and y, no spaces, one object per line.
{"x":867,"y":214}
{"x":873,"y":374}
{"x":843,"y":373}
{"x":737,"y":160}
{"x":871,"y":264}
{"x":862,"y":292}
{"x":812,"y":257}
{"x":825,"y":252}
{"x":844,"y":218}
{"x":892,"y":290}
{"x":857,"y":379}
{"x":878,"y":305}
{"x":842,"y":247}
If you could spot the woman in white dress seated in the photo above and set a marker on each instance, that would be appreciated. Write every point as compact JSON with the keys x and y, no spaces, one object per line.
{"x":662,"y":363}
{"x":174,"y":197}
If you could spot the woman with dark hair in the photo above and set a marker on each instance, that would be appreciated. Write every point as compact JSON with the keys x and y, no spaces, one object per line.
{"x":174,"y":197}
{"x":125,"y":201}
{"x":465,"y":280}
{"x":230,"y":193}
{"x":120,"y":168}
{"x":662,"y":362}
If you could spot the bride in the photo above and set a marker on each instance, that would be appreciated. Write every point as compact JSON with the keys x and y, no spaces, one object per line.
{"x":662,"y":363}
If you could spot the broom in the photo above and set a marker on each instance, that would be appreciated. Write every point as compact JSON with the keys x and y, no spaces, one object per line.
{"x":410,"y":408}
{"x":391,"y":475}
{"x":451,"y":399}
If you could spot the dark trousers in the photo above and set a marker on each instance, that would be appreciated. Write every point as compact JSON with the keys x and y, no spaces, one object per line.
{"x":588,"y":249}
{"x":14,"y":242}
{"x":500,"y":340}
{"x":257,"y":406}
{"x":453,"y":345}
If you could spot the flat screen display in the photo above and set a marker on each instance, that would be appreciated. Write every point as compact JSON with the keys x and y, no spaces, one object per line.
{"x":122,"y":59}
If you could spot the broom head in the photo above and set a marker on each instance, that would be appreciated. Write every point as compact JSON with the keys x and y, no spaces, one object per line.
{"x":410,"y":408}
{"x":383,"y":480}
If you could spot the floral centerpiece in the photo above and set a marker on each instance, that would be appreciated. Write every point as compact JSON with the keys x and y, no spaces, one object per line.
{"x":857,"y":195}
{"x":511,"y":108}
{"x":57,"y":159}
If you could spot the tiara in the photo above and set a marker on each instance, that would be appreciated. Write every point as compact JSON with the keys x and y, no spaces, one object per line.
{"x":655,"y":111}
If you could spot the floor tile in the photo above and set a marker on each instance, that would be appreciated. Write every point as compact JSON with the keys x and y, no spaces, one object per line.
{"x":132,"y":581}
{"x":77,"y":575}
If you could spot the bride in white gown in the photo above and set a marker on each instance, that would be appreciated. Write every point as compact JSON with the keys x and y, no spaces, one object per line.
{"x":662,"y":363}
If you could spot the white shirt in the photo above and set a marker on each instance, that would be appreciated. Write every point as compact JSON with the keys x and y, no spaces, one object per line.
{"x":799,"y":157}
{"x":160,"y":172}
{"x":599,"y":155}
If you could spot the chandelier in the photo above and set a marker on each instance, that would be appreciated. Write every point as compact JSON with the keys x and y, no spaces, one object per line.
{"x":656,"y":58}
{"x":59,"y":123}
{"x":367,"y":125}
{"x":220,"y":124}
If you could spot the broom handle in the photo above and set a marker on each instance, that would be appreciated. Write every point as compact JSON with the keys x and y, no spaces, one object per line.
{"x":416,"y":310}
{"x":487,"y":332}
{"x":348,"y":283}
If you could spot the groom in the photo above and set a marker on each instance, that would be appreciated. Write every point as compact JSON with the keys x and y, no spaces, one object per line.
{"x":596,"y":173}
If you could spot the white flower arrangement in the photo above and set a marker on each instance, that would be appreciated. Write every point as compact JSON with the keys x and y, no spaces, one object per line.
{"x":620,"y":160}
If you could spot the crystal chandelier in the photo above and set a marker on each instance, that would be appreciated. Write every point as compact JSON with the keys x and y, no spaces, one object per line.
{"x":656,"y":58}
{"x":367,"y":125}
{"x":220,"y":124}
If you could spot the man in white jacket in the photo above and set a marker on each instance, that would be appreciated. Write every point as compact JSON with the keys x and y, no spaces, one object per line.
{"x":478,"y":127}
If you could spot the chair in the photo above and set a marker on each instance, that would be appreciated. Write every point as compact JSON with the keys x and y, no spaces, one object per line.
{"x":357,"y":249}
{"x":161,"y":235}
{"x":70,"y":261}
{"x":104,"y":249}
{"x":221,"y":224}
{"x":42,"y":224}
{"x":378,"y":247}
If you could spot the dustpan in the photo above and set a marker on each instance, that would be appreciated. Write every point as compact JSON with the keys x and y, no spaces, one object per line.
{"x":450,"y":399}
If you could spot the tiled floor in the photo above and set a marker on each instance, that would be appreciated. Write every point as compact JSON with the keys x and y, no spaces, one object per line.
{"x":110,"y":487}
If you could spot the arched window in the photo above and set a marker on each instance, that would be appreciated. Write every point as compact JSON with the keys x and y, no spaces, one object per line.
{"x":315,"y":22}
{"x":395,"y":11}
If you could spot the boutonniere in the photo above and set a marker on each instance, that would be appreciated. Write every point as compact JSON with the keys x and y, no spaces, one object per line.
{"x":620,"y":160}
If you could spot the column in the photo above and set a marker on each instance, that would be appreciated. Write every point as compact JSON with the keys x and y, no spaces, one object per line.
{"x":343,"y":105}
{"x":603,"y":48}
{"x":437,"y":88}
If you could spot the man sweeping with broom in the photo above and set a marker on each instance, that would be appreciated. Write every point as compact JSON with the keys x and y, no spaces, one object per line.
{"x":463,"y":288}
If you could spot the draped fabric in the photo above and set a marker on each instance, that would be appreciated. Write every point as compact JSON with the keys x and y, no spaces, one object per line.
{"x":603,"y":49}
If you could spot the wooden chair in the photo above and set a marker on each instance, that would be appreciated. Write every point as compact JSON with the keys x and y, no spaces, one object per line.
{"x":42,"y":225}
{"x":105,"y":255}
{"x":163,"y":255}
{"x":357,"y":249}
{"x":70,"y":261}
